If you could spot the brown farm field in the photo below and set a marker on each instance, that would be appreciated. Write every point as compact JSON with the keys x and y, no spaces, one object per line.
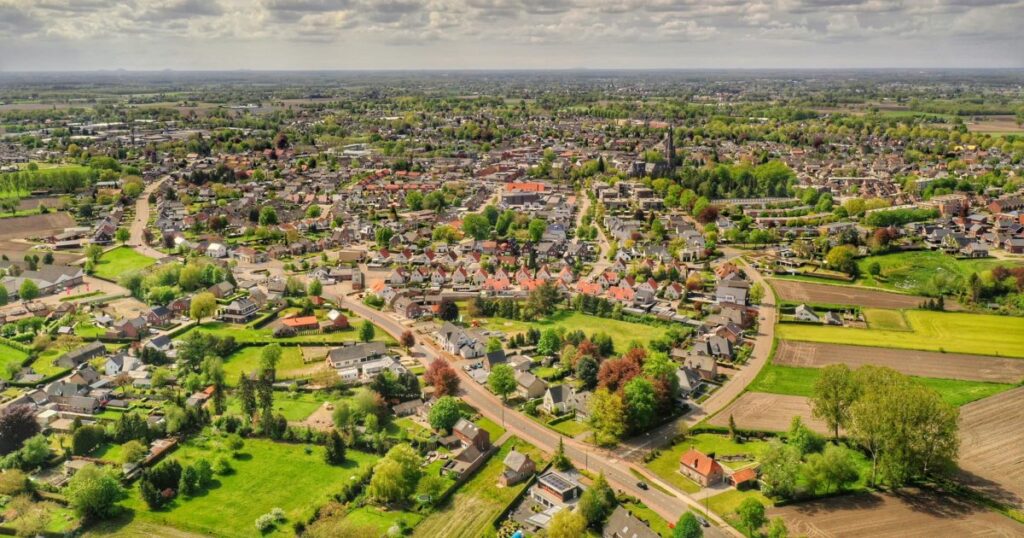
{"x":992,"y":446}
{"x":909,"y":362}
{"x":768,"y":412}
{"x":810,"y":292}
{"x":35,"y":225}
{"x":905,"y":513}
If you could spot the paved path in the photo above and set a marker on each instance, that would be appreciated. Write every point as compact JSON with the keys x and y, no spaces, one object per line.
{"x":141,"y":220}
{"x":617,"y":471}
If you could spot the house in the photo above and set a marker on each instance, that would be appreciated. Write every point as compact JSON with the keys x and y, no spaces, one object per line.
{"x":730,"y":294}
{"x":159,"y":316}
{"x":221,"y":290}
{"x":461,"y":342}
{"x":405,"y":409}
{"x":301,"y":323}
{"x":337,"y":319}
{"x":556,"y":489}
{"x":622,"y":524}
{"x":75,"y":357}
{"x":701,"y":468}
{"x":238,"y":311}
{"x":689,"y":380}
{"x":216,"y":250}
{"x":556,"y":399}
{"x":579,"y":403}
{"x":494,"y":358}
{"x":407,"y":307}
{"x":470,"y":434}
{"x":804,"y":313}
{"x":518,"y":467}
{"x":355,"y":355}
{"x":119,"y":363}
{"x":250,"y":255}
{"x":48,"y":278}
{"x":529,"y":386}
{"x":744,"y":478}
{"x":132,"y":329}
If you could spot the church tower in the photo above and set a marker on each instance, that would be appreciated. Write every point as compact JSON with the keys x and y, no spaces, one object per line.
{"x":670,"y":150}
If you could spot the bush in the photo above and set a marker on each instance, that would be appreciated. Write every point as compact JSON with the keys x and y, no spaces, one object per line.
{"x":264,"y":522}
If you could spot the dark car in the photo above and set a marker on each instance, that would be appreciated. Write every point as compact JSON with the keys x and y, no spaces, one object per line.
{"x":642,"y":485}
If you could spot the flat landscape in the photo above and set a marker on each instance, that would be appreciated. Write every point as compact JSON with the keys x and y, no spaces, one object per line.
{"x":768,"y":412}
{"x":910,"y":362}
{"x":980,"y":334}
{"x":906,"y":513}
{"x":16,"y":229}
{"x":991,"y":438}
{"x":811,"y":292}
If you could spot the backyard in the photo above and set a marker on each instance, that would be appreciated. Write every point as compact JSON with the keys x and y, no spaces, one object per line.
{"x":247,"y":359}
{"x":249,"y":334}
{"x":979,"y":334}
{"x":118,"y":261}
{"x":623,"y":333}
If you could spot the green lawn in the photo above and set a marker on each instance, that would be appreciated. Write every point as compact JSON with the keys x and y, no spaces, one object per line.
{"x":247,"y":334}
{"x":372,"y":517}
{"x":725,"y":504}
{"x":44,"y":365}
{"x":570,"y":427}
{"x":470,"y":511}
{"x":887,"y":320}
{"x":912,"y":272}
{"x":796,"y":381}
{"x":294,"y":406}
{"x":268,"y":475}
{"x":10,"y":356}
{"x":247,"y":359}
{"x":643,"y":513}
{"x":622,"y":332}
{"x":120,"y":260}
{"x":666,"y":465}
{"x":980,"y":334}
{"x":493,"y":429}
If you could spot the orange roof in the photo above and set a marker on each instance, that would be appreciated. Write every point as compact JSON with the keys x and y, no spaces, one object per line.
{"x":744,"y":475}
{"x":698,"y":461}
{"x":299,"y":322}
{"x":527,"y":186}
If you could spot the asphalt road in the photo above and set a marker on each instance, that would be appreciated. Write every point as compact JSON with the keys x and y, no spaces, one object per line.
{"x":141,"y":220}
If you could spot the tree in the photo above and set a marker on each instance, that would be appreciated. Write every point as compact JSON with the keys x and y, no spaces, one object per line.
{"x":122,"y":235}
{"x":17,"y":424}
{"x":803,"y":438}
{"x":448,"y":310}
{"x":383,"y":236}
{"x":93,"y":492}
{"x":335,"y":451}
{"x":493,"y":345}
{"x":203,"y":305}
{"x":780,"y":467}
{"x":833,"y":469}
{"x":834,"y":393}
{"x":28,"y":290}
{"x":93,"y":252}
{"x":586,"y":371}
{"x":542,"y":300}
{"x":502,"y":380}
{"x":756,"y":293}
{"x":315,"y":288}
{"x":133,"y":451}
{"x":396,"y":475}
{"x":777,"y":528}
{"x":442,"y":377}
{"x":751,"y":513}
{"x":843,"y":258}
{"x":597,"y":503}
{"x":444,"y":414}
{"x":4,"y":298}
{"x":607,"y":415}
{"x":550,"y":342}
{"x":414,"y":200}
{"x":367,"y":331}
{"x":567,"y":524}
{"x":407,"y":340}
{"x":269,"y":357}
{"x":189,"y":483}
{"x":537,"y":227}
{"x":268,"y":216}
{"x":476,"y":226}
{"x":641,"y":407}
{"x":687,"y":527}
{"x":246,"y":396}
{"x":733,"y":433}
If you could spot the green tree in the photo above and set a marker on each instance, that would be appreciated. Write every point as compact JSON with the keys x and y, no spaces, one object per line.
{"x":268,"y":216}
{"x":607,"y":416}
{"x":367,"y":331}
{"x":777,"y":528}
{"x":843,"y":258}
{"x":93,"y":252}
{"x":444,"y":414}
{"x":269,"y":357}
{"x":502,"y":380}
{"x":542,"y":300}
{"x":641,"y":407}
{"x":687,"y":527}
{"x":834,"y":393}
{"x":28,"y":290}
{"x":494,"y":344}
{"x":476,"y":226}
{"x":560,"y":460}
{"x":779,"y":469}
{"x":3,"y":296}
{"x":833,"y":469}
{"x":396,"y":475}
{"x":203,"y":305}
{"x":335,"y":450}
{"x":315,"y":288}
{"x":383,"y":236}
{"x":94,"y":492}
{"x":133,"y":451}
{"x":537,"y":227}
{"x":751,"y":513}
{"x":414,"y":200}
{"x":567,"y":524}
{"x":122,"y":235}
{"x":597,"y":503}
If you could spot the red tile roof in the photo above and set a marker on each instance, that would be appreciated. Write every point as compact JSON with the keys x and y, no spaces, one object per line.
{"x":700,"y":462}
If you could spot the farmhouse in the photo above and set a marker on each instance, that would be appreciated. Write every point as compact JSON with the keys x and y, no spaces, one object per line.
{"x":701,"y":468}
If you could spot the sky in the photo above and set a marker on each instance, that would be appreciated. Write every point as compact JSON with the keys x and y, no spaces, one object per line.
{"x":62,"y":35}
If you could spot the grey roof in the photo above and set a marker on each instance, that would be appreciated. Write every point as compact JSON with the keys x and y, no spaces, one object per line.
{"x":357,"y":351}
{"x":516,"y":460}
{"x":559,"y":393}
{"x":622,"y":524}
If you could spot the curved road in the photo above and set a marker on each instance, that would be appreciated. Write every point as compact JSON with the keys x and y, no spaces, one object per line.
{"x":141,"y":220}
{"x":584,"y":456}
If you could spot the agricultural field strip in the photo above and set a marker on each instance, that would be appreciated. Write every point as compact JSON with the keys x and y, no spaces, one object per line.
{"x":809,"y":292}
{"x":991,"y":438}
{"x":767,"y":412}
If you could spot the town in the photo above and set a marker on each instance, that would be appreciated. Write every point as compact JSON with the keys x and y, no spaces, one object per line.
{"x":624,"y":305}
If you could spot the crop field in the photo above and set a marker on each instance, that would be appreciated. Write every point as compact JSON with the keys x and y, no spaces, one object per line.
{"x":768,"y":412}
{"x":812,"y":292}
{"x":795,"y":381}
{"x":121,"y":260}
{"x":991,"y":438}
{"x":905,"y":513}
{"x":979,"y":334}
{"x":910,"y":362}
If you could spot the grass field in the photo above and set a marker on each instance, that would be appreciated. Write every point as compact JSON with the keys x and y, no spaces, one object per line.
{"x":493,"y":430}
{"x":795,"y":381}
{"x":912,"y":272}
{"x":247,"y":359}
{"x":10,"y":356}
{"x":469,"y":513}
{"x":293,"y":406}
{"x":268,"y":475}
{"x":372,"y":517}
{"x":116,"y":262}
{"x":666,"y":465}
{"x":247,"y":334}
{"x":978,"y":334}
{"x":725,"y":504}
{"x":622,"y":332}
{"x":886,"y":320}
{"x":571,"y":427}
{"x":653,"y":520}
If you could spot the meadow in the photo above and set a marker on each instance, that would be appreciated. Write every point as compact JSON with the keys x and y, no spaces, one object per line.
{"x":977,"y":334}
{"x":623,"y":333}
{"x":912,"y":272}
{"x":118,"y":261}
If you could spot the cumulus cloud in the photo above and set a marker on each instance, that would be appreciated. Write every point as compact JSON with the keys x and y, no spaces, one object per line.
{"x":458,"y":33}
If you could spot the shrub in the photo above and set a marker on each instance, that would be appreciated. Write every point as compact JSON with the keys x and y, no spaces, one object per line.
{"x":264,"y":522}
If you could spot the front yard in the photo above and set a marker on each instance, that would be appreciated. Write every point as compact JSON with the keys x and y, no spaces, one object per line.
{"x":666,"y":465}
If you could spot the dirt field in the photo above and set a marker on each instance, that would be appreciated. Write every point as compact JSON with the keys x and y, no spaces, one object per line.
{"x":910,"y":362}
{"x":994,"y":124}
{"x":35,"y":225}
{"x":799,"y":291}
{"x":992,"y":446}
{"x":906,"y":513}
{"x":768,"y":412}
{"x":320,"y":419}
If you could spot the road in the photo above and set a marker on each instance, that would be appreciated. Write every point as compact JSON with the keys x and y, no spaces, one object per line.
{"x":601,"y":263}
{"x":617,"y":471}
{"x":141,"y":220}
